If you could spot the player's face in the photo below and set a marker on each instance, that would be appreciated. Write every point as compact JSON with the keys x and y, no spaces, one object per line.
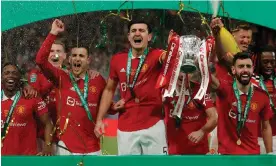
{"x":10,"y":77}
{"x":243,"y":70}
{"x":57,"y":55}
{"x":268,"y":63}
{"x":139,"y":36}
{"x":243,"y":39}
{"x":79,"y":61}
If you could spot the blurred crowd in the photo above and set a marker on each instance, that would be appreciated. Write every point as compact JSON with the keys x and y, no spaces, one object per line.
{"x":107,"y":35}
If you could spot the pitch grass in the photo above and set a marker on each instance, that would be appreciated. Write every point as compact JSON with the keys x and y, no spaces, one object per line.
{"x":109,"y":146}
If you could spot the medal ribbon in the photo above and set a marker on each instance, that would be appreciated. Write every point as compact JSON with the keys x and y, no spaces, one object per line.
{"x":128,"y":72}
{"x":262,"y":84}
{"x":242,"y":120}
{"x":8,"y":120}
{"x":203,"y":66}
{"x":83,"y":97}
{"x":176,"y":69}
{"x":178,"y":108}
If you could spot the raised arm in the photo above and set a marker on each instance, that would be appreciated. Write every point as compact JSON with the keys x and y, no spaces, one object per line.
{"x":163,"y":55}
{"x":214,"y":82}
{"x":47,"y":68}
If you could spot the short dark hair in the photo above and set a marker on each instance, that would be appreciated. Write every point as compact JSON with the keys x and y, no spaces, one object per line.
{"x":266,"y":49}
{"x":12,"y":64}
{"x":139,"y":22}
{"x":241,"y":55}
{"x":81,"y":46}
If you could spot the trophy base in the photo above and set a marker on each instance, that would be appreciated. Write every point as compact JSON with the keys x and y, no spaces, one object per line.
{"x":188,"y":69}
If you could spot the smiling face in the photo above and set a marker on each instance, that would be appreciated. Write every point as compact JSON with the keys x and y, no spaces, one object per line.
{"x":268,"y":63}
{"x":243,"y":70}
{"x":10,"y":77}
{"x":139,"y":36}
{"x":79,"y":61}
{"x":243,"y":38}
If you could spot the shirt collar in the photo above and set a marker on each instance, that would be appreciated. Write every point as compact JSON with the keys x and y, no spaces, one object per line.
{"x":133,"y":57}
{"x":241,"y":93}
{"x":82,"y":78}
{"x":6,"y":98}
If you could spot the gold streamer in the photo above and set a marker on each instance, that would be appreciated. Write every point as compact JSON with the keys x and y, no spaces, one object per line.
{"x":65,"y":125}
{"x":118,"y":14}
{"x":7,"y":131}
{"x":181,"y":8}
{"x":203,"y":19}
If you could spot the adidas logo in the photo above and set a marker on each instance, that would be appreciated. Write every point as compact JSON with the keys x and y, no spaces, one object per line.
{"x":72,"y":89}
{"x":123,"y":70}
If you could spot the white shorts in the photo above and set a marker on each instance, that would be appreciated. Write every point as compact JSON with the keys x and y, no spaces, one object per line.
{"x":262,"y":146}
{"x":151,"y":141}
{"x":61,"y":150}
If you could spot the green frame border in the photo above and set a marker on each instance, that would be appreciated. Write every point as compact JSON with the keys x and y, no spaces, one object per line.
{"x":18,"y":13}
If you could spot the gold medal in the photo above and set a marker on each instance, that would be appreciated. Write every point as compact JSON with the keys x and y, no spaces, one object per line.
{"x":137,"y":100}
{"x":239,"y":142}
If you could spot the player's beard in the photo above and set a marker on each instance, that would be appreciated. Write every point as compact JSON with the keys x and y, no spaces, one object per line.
{"x":243,"y":80}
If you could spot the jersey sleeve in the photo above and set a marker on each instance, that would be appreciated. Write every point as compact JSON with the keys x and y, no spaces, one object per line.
{"x":33,"y":80}
{"x":50,"y":72}
{"x":208,"y":101}
{"x":266,"y":113}
{"x":45,"y":85}
{"x":40,"y":107}
{"x":224,"y":88}
{"x":112,"y":70}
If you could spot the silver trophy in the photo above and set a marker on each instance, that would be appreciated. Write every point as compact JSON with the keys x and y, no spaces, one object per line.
{"x":191,"y":45}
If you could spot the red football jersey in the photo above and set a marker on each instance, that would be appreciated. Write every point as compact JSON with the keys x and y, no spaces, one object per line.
{"x":272,"y":92}
{"x":193,"y":118}
{"x":227,"y":120}
{"x":222,"y":73}
{"x":38,"y":81}
{"x":21,"y":136}
{"x":78,"y":136}
{"x":148,"y":111}
{"x":47,"y":90}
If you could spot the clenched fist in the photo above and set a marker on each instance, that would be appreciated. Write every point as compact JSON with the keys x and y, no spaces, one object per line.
{"x":57,"y":27}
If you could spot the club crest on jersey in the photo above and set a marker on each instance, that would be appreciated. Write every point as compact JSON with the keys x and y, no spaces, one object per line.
{"x":144,"y":68}
{"x":20,"y":110}
{"x":33,"y":78}
{"x":254,"y":106}
{"x":93,"y":89}
{"x":6,"y":113}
